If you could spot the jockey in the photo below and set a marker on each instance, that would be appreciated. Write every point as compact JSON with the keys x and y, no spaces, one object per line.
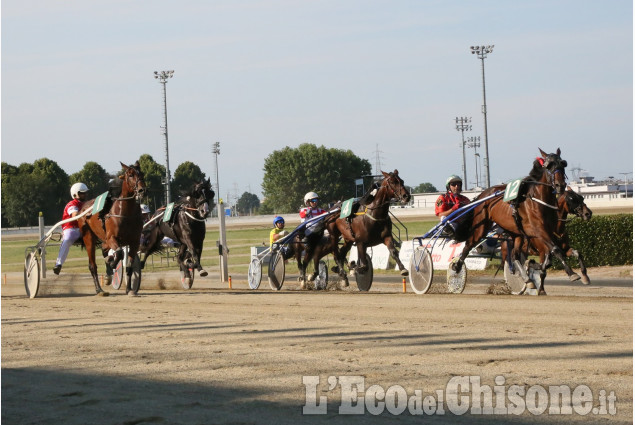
{"x":311,"y":200}
{"x":70,"y":230}
{"x":278,"y":230}
{"x":452,"y":199}
{"x":449,"y":202}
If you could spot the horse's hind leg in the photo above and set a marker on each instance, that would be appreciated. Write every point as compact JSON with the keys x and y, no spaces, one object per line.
{"x":574,"y":253}
{"x":89,"y":243}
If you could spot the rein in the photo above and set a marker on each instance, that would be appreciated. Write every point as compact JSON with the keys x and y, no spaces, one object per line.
{"x":541,"y":202}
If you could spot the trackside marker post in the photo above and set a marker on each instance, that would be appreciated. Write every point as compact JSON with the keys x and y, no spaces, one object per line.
{"x":403,"y":281}
{"x":230,"y":282}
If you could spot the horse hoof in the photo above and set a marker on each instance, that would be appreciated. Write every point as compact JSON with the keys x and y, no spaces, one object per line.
{"x":203,"y":273}
{"x":343,"y":283}
{"x":351,"y":273}
{"x":103,"y":294}
{"x":132,"y":294}
{"x":404,"y":272}
{"x":574,"y":277}
{"x":586,"y":280}
{"x":302,"y":284}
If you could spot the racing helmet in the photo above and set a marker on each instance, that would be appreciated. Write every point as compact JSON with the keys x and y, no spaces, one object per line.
{"x":145,"y":209}
{"x":78,"y":188}
{"x":278,"y":219}
{"x":310,"y":196}
{"x":453,"y":178}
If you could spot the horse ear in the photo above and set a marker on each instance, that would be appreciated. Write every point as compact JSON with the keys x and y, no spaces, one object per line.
{"x":124,"y":165}
{"x":396,"y":172}
{"x":558,"y":152}
{"x":385,"y":174}
{"x":544,"y":155}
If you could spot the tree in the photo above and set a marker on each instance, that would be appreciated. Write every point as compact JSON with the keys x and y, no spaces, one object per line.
{"x":8,"y":172}
{"x":425,"y":188}
{"x":33,"y":188}
{"x":94,"y":176}
{"x":154,"y":174}
{"x":186,"y":175}
{"x":292,"y":172}
{"x":247,"y":203}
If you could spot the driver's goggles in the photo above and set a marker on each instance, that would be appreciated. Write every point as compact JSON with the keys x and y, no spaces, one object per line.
{"x":314,"y":200}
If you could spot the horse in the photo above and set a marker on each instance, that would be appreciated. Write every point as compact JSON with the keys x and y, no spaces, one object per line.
{"x":569,"y":203}
{"x":186,"y":226}
{"x":369,"y":229}
{"x":120,"y":227}
{"x":536,"y":217}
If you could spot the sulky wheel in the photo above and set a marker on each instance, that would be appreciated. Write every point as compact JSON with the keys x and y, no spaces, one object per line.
{"x":456,"y":281}
{"x":135,"y":277}
{"x":254,"y":275}
{"x":119,"y":277}
{"x":512,"y":277}
{"x":365,"y":280}
{"x":31,"y":274}
{"x":421,"y":270}
{"x":276,"y":271}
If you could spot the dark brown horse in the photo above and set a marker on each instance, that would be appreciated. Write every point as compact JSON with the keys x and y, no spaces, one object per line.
{"x":186,"y":226}
{"x":569,"y":203}
{"x":121,"y":225}
{"x":537,"y":217}
{"x":369,"y":229}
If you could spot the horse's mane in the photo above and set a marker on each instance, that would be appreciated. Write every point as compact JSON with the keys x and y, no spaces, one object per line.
{"x":536,"y":172}
{"x":368,"y":197}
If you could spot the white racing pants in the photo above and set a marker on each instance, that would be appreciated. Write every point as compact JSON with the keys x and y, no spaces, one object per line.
{"x":68,"y":239}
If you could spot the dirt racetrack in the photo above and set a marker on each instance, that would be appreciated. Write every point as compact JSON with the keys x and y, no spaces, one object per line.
{"x":217,"y":356}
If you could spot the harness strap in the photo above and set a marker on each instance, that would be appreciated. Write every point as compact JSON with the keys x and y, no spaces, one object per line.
{"x":542,"y":202}
{"x":192,"y":217}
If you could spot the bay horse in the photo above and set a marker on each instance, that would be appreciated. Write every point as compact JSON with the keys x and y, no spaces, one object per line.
{"x":536,"y":211}
{"x":369,"y":229}
{"x":121,"y":225}
{"x":186,"y":226}
{"x":569,"y":203}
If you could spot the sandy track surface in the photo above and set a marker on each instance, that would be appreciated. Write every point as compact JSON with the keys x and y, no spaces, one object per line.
{"x":217,"y":356}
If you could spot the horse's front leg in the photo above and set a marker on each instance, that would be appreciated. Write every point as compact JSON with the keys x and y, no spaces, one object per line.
{"x":340,"y":257}
{"x":390,"y":243}
{"x":299,"y":258}
{"x":574,"y":253}
{"x":362,"y":265}
{"x":516,"y":251}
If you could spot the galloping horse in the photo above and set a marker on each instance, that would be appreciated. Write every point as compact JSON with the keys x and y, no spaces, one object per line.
{"x":186,"y":226}
{"x":537,"y":214}
{"x":121,"y":225}
{"x":569,"y":203}
{"x":369,"y":229}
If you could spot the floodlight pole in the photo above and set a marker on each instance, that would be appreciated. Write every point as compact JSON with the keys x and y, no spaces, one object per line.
{"x":463,"y":125}
{"x":222,"y":243}
{"x":163,"y":79}
{"x":481,"y":52}
{"x":473,"y":142}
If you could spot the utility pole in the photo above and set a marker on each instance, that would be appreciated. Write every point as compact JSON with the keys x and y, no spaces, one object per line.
{"x":473,"y":142}
{"x":222,"y":243}
{"x":481,"y":52}
{"x":463,"y":125}
{"x":163,"y":79}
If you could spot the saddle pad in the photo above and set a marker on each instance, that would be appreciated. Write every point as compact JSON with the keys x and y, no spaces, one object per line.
{"x":511,"y":191}
{"x":347,"y":208}
{"x":98,"y":205}
{"x":168,"y":212}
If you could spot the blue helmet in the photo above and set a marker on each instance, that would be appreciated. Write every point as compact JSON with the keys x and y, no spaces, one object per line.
{"x":277,"y":220}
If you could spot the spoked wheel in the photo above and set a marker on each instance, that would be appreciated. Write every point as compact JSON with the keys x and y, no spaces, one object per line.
{"x":135,"y":283}
{"x":365,"y":280}
{"x":456,"y":281}
{"x":512,"y":277}
{"x":187,"y":277}
{"x":322,"y":278}
{"x":119,"y":277}
{"x":254,"y":276}
{"x":31,"y":274}
{"x":421,"y":270}
{"x":276,"y":270}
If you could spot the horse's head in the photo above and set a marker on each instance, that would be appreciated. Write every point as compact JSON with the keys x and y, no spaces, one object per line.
{"x":554,"y":167}
{"x":574,"y":204}
{"x":132,"y":181}
{"x":202,"y":196}
{"x":395,"y":187}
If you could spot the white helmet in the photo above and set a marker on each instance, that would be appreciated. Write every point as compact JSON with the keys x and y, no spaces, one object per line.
{"x":78,"y":188}
{"x":309,"y":196}
{"x":145,"y":209}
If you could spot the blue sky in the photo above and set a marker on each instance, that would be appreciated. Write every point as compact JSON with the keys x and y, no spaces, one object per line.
{"x":385,"y":79}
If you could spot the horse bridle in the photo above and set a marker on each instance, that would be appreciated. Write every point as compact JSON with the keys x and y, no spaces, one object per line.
{"x":135,"y":189}
{"x":394,"y":192}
